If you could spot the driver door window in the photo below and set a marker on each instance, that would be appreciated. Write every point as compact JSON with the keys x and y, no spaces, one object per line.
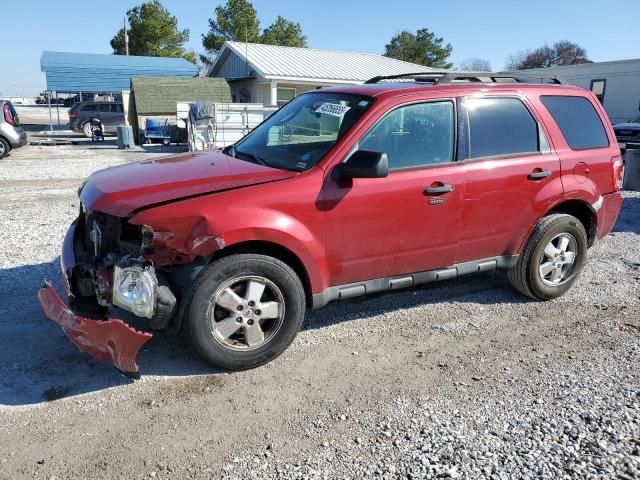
{"x":414,"y":135}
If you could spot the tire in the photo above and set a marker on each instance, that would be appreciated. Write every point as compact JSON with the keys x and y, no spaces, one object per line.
{"x":5,"y":148}
{"x":236,"y":346}
{"x":86,"y":130}
{"x":545,"y":274}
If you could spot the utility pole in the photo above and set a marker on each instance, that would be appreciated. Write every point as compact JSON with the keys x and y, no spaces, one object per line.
{"x":126,"y":37}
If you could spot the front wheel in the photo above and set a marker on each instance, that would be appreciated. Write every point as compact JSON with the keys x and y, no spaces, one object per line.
{"x":552,"y":259}
{"x":245,"y":311}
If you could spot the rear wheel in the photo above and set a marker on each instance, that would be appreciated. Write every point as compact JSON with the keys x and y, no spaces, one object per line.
{"x":86,"y":130}
{"x":552,"y":259}
{"x":4,"y":148}
{"x":246,"y":310}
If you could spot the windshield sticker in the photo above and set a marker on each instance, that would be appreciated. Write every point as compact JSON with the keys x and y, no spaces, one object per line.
{"x":333,"y":109}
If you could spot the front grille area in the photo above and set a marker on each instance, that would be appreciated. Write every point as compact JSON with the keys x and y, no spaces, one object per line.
{"x":627,"y":133}
{"x":103,"y":233}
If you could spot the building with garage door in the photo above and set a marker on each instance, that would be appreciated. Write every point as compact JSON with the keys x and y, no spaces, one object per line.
{"x":616,"y":84}
{"x":273,"y":75}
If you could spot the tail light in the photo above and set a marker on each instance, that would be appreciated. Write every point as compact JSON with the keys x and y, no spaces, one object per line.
{"x":72,"y":114}
{"x":616,"y":164}
{"x":7,"y":115}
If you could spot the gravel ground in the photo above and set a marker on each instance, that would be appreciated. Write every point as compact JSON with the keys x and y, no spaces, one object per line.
{"x":464,"y":379}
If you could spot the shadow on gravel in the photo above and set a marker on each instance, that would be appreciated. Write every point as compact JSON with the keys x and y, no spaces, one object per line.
{"x":39,"y":363}
{"x":480,"y":289}
{"x":159,"y":148}
{"x":629,"y":214}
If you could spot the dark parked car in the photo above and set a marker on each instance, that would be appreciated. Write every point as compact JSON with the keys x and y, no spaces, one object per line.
{"x":628,"y":134}
{"x":345,"y":191}
{"x":12,"y":135}
{"x":110,"y":113}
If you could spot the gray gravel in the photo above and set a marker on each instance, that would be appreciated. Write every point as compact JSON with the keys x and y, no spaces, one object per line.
{"x":464,"y":379}
{"x":555,"y":426}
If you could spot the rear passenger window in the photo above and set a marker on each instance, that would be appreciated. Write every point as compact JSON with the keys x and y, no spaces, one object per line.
{"x":500,"y":126}
{"x":578,"y":121}
{"x":89,"y":108}
{"x":414,"y":135}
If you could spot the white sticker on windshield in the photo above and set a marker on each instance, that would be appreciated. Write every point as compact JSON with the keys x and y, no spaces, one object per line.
{"x":333,"y":109}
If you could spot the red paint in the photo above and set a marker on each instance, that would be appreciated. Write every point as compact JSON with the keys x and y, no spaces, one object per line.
{"x":125,"y":188}
{"x":608,"y":214}
{"x":370,"y":228}
{"x":111,"y":341}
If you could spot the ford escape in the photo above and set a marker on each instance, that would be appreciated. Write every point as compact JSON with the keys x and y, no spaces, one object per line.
{"x":343,"y":192}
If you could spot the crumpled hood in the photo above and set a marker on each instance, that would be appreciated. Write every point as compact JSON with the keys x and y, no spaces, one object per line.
{"x":121,"y":190}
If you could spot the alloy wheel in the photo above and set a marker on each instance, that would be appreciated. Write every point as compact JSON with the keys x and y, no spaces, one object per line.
{"x":556,"y":265}
{"x":246,"y":312}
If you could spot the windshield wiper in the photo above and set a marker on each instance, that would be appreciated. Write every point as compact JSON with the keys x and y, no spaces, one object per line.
{"x":252,"y":157}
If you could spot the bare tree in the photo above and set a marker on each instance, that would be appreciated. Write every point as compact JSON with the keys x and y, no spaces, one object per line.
{"x":475,"y":64}
{"x":561,"y":53}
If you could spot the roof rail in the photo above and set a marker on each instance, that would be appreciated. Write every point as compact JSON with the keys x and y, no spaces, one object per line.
{"x":442,"y":77}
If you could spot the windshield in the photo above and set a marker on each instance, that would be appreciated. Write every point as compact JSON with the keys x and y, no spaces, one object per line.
{"x":635,"y":120}
{"x":301,"y":133}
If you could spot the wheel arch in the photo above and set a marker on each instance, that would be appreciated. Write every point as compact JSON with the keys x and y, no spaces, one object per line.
{"x":274,"y":250}
{"x":583,"y":211}
{"x":6,"y":140}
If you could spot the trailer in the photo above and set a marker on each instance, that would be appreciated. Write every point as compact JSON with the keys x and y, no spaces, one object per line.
{"x":213,"y":125}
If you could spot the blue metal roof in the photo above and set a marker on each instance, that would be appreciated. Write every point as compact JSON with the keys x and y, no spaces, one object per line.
{"x":90,"y":72}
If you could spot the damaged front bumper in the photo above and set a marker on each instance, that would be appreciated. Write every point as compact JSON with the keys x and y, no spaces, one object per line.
{"x":111,"y":341}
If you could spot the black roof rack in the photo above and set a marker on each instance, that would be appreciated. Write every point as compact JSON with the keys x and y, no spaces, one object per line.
{"x":443,"y":77}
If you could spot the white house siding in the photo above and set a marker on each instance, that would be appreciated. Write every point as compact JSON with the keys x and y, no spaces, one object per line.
{"x":255,"y":72}
{"x":622,"y":89}
{"x":235,"y":67}
{"x":260,"y":90}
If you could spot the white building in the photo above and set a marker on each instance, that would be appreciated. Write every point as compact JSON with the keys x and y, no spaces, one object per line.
{"x":617,"y":84}
{"x":273,"y":75}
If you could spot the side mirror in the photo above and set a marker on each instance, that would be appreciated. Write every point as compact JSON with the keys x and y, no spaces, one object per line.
{"x":364,"y":164}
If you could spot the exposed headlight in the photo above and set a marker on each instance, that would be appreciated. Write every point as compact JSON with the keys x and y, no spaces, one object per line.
{"x":135,"y":289}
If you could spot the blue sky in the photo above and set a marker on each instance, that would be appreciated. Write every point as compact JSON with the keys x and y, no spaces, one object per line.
{"x":491,"y":29}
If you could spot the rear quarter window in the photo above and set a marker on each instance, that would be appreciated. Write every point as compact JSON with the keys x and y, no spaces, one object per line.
{"x":88,"y":108}
{"x":578,"y":121}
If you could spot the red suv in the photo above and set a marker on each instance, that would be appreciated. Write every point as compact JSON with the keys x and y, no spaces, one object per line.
{"x":342,"y":192}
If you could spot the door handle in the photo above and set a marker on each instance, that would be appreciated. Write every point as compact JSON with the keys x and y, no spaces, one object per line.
{"x":445,"y":188}
{"x":539,"y":174}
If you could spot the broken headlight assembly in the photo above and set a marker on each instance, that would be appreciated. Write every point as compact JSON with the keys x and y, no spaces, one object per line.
{"x":135,"y":288}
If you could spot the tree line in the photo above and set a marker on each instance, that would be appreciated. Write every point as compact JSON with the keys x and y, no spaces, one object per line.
{"x":154,"y":31}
